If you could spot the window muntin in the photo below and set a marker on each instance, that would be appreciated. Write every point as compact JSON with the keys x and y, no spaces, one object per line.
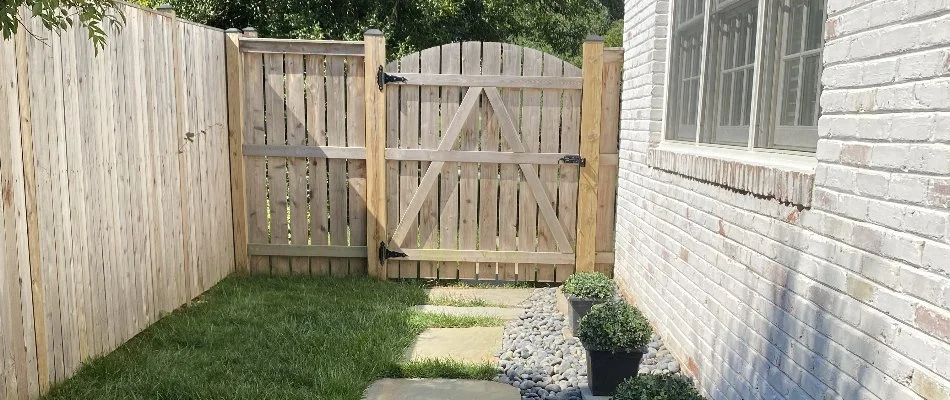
{"x":720,"y":96}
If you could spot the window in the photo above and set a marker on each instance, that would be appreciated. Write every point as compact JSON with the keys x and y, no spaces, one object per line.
{"x":746,"y":73}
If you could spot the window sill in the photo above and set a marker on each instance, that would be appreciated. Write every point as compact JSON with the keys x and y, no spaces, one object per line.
{"x":785,"y":177}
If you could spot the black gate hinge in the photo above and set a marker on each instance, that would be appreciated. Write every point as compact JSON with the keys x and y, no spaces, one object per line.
{"x":382,"y":78}
{"x":574,"y":159}
{"x":385,"y":253}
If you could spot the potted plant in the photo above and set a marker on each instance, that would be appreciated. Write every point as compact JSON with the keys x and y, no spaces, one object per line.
{"x":615,"y":335}
{"x":657,"y":387}
{"x":584,"y":290}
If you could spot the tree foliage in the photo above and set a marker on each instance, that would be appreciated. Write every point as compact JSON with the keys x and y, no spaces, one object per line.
{"x":558,"y":27}
{"x":94,"y":15}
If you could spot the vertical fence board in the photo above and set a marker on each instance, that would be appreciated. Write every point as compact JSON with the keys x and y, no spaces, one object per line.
{"x":468,"y":172}
{"x":508,"y":173}
{"x":549,"y":141}
{"x":254,"y":135}
{"x":429,"y":125}
{"x":297,"y":167}
{"x":488,"y":177}
{"x":356,"y":169}
{"x":449,"y":187}
{"x":568,"y":174}
{"x":336,"y":136}
{"x":530,"y":136}
{"x":19,"y":360}
{"x":275,"y":125}
{"x":393,"y":95}
{"x":317,"y":136}
{"x":408,"y":170}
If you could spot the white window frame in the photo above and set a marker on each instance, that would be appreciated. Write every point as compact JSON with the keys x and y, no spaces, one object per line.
{"x":764,"y":132}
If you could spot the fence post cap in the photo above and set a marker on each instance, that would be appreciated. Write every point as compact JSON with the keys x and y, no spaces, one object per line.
{"x":594,"y":38}
{"x":250,"y":29}
{"x":165,"y":8}
{"x":373,"y":32}
{"x":233,"y":30}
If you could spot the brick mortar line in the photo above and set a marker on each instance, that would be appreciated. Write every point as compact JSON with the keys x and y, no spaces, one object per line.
{"x":799,"y":251}
{"x":800,"y":296}
{"x":742,"y":322}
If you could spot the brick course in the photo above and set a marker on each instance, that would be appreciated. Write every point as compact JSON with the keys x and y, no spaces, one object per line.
{"x":848,"y":298}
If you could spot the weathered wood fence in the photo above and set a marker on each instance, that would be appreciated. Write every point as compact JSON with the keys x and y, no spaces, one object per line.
{"x":339,"y":169}
{"x":118,"y":172}
{"x":111,"y":217}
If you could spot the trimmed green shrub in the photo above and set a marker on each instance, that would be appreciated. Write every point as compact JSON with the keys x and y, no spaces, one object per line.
{"x":657,"y":387}
{"x":614,"y":326}
{"x":589,"y":285}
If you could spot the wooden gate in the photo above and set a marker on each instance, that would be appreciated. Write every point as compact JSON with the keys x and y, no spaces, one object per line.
{"x":465,"y":161}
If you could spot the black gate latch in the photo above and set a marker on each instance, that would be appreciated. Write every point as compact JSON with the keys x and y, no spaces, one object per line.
{"x":382,"y":78}
{"x":574,"y":159}
{"x":385,"y":253}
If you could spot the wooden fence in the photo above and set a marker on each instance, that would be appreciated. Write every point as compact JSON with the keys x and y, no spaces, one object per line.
{"x":115,"y":183}
{"x":306,"y":145}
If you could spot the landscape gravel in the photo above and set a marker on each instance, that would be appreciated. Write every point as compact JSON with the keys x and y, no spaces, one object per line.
{"x":538,"y":359}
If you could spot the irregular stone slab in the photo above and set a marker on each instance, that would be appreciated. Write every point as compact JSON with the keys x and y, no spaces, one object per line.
{"x":440,"y":389}
{"x":470,"y":345}
{"x":495,"y":296}
{"x":497,"y":312}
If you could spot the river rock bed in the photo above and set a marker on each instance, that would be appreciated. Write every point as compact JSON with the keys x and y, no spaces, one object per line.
{"x":538,"y":359}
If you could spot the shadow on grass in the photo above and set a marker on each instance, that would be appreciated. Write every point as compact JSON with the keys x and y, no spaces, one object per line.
{"x":262,"y":338}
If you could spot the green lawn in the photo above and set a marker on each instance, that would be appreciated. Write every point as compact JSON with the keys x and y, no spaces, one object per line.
{"x":272,"y":338}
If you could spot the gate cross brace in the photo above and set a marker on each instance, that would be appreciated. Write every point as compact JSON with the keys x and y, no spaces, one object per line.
{"x":511,"y":136}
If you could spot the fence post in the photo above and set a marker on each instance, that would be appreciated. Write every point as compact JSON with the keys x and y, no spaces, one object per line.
{"x":375,"y":58}
{"x":585,"y":253}
{"x":235,"y":79}
{"x":23,"y":43}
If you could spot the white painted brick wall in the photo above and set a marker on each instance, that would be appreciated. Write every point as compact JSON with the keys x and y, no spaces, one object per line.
{"x":849,"y":299}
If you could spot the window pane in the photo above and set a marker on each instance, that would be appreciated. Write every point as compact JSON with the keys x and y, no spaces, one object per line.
{"x":790,"y":88}
{"x":796,"y":24}
{"x":816,"y":22}
{"x":808,"y":114}
{"x":682,"y":112}
{"x":800,"y":68}
{"x":733,"y":80}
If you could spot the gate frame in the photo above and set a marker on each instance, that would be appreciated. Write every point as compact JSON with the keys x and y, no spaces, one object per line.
{"x":373,"y":52}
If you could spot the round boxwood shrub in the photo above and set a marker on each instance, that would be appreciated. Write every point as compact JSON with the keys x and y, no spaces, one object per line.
{"x":589,"y":285}
{"x":657,"y":387}
{"x":614,"y":326}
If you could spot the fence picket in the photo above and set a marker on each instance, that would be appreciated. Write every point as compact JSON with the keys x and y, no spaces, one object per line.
{"x":468,"y":172}
{"x":336,"y":136}
{"x":356,"y":169}
{"x":297,"y":167}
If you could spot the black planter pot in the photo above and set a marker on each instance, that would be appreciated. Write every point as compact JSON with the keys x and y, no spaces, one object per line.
{"x":606,"y":370}
{"x":579,"y":307}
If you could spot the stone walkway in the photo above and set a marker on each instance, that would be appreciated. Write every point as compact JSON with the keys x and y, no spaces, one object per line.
{"x":470,"y":345}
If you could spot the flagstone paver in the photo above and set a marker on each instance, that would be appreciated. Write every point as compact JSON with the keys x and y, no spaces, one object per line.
{"x":497,"y":312}
{"x":470,"y":345}
{"x":440,"y":389}
{"x":506,"y":297}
